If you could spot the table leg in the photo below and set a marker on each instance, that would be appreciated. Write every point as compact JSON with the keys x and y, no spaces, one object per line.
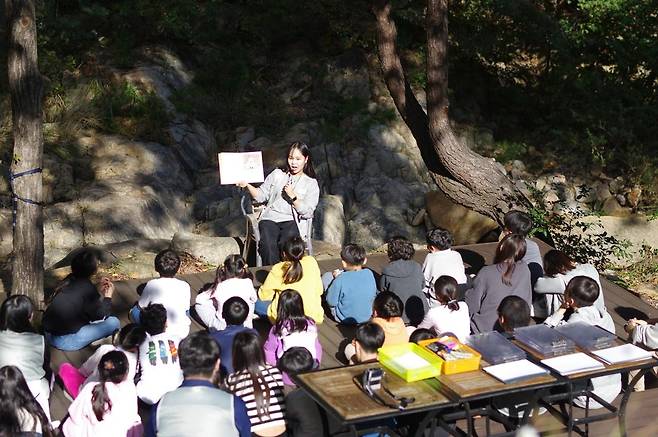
{"x":624,"y":401}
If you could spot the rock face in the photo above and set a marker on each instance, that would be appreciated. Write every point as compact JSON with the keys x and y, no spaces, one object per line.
{"x":211,"y":249}
{"x":466,"y":226}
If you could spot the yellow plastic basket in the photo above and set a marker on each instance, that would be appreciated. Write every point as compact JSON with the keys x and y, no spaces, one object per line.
{"x":406,"y":361}
{"x":455,"y":366}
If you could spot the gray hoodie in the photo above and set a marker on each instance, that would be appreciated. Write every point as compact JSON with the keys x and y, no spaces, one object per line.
{"x":405,"y":279}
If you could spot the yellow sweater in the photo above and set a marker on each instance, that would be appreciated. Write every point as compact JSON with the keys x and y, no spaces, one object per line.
{"x":309,"y":287}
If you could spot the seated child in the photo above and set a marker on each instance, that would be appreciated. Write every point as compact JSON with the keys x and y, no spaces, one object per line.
{"x":258,"y":384}
{"x":520,"y":223}
{"x":579,"y":297}
{"x":233,"y":278}
{"x":369,"y":337}
{"x":130,"y":338}
{"x":449,"y":315}
{"x":172,"y":293}
{"x":513,"y":312}
{"x":350,"y":292}
{"x":292,"y":328}
{"x":441,"y":260}
{"x":107,"y":407}
{"x":297,"y":271}
{"x":235,"y":312}
{"x":421,"y":334}
{"x":387,"y":310}
{"x":158,"y":356}
{"x":641,"y":332}
{"x":303,"y":417}
{"x":404,"y":277}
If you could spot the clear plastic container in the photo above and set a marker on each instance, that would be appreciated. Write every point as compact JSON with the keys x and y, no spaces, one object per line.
{"x":495,"y":348}
{"x":588,"y":337}
{"x":545,"y":340}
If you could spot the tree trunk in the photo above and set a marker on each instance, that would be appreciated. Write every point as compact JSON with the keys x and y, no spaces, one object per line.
{"x":26,"y":88}
{"x":464,"y":176}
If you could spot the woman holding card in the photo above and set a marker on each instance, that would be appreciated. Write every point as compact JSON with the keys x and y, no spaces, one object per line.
{"x":291,"y":196}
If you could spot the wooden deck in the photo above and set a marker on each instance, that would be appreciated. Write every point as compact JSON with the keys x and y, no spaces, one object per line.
{"x":621,"y":304}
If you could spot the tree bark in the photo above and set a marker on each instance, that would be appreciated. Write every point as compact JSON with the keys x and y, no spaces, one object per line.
{"x":26,"y":89}
{"x":464,"y":176}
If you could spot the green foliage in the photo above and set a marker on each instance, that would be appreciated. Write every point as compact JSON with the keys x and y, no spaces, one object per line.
{"x":645,"y":269}
{"x":584,"y":241}
{"x":509,"y":150}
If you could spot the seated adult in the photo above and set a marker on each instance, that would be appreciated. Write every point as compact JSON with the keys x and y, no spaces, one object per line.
{"x":78,"y":314}
{"x":559,"y":269}
{"x":508,"y":276}
{"x":198,"y":407}
{"x":292,"y":195}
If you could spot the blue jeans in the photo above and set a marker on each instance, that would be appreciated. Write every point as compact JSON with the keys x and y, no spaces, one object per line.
{"x":135,"y":314}
{"x":85,"y":335}
{"x":261,"y":307}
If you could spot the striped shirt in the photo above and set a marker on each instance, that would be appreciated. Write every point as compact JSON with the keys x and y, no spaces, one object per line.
{"x":240,"y":384}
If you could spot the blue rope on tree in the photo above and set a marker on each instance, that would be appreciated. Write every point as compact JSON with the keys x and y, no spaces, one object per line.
{"x":15,"y":197}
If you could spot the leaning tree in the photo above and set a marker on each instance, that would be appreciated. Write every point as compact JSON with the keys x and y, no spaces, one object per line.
{"x":26,"y":89}
{"x":466,"y":177}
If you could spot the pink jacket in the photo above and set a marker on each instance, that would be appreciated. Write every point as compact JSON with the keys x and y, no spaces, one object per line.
{"x":274,"y":347}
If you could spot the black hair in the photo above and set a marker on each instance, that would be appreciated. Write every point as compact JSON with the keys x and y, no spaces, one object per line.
{"x":293,"y":252}
{"x":445,"y":292}
{"x":515,"y":313}
{"x":154,"y":318}
{"x":305,"y":150}
{"x":511,"y":249}
{"x":296,"y":360}
{"x":388,"y":305}
{"x":235,"y":311}
{"x":131,"y":336}
{"x":421,"y":334}
{"x":583,"y":290}
{"x":15,"y":314}
{"x":234,"y":266}
{"x":400,"y":248}
{"x":518,"y":222}
{"x":290,"y":313}
{"x":353,"y":254}
{"x":556,"y":261}
{"x":167,"y":263}
{"x":248,"y":357}
{"x":84,"y":265}
{"x":439,"y":238}
{"x":370,"y":336}
{"x":113,"y":367}
{"x":16,"y":399}
{"x":198,"y":354}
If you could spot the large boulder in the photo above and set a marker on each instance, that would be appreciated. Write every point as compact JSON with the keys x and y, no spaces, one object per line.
{"x":213,"y":250}
{"x":466,"y":225}
{"x":329,"y":220}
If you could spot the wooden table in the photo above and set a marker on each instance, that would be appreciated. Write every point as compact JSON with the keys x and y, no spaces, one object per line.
{"x":572,"y":423}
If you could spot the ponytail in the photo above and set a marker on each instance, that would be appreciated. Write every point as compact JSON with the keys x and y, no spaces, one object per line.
{"x":511,"y":249}
{"x":113,"y":367}
{"x":445,"y":292}
{"x":293,"y":252}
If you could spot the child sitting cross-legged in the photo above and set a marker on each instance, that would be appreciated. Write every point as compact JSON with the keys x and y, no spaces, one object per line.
{"x":292,"y":328}
{"x":449,"y":315}
{"x":303,"y":416}
{"x":158,"y":356}
{"x":235,"y":312}
{"x":172,"y":293}
{"x":351,"y":291}
{"x":579,"y":298}
{"x":441,"y":260}
{"x":259,"y":385}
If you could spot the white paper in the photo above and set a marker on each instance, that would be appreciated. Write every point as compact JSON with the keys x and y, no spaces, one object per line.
{"x":240,"y":167}
{"x":410,"y":361}
{"x":573,"y":363}
{"x":623,"y":353}
{"x":515,"y":370}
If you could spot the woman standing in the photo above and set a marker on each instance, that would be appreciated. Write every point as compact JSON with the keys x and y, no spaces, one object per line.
{"x":292,"y":196}
{"x":508,"y":276}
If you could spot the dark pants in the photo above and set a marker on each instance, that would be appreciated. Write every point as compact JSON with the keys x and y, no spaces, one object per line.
{"x":272,"y":237}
